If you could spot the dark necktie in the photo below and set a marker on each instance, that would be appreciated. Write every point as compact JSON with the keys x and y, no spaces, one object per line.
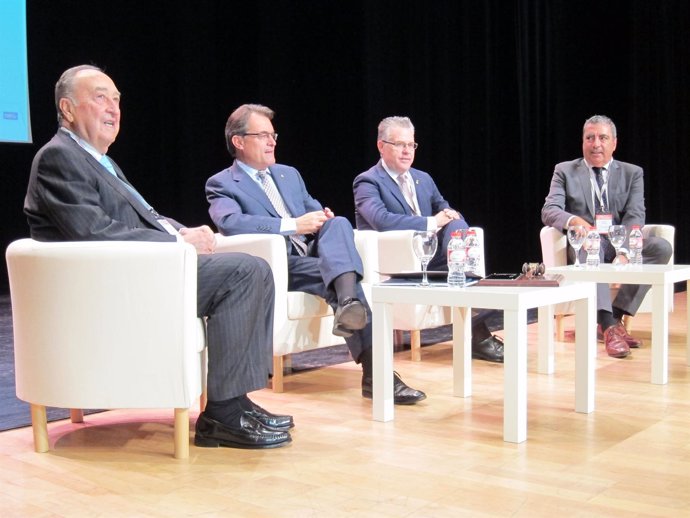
{"x":277,"y":201}
{"x":599,"y":176}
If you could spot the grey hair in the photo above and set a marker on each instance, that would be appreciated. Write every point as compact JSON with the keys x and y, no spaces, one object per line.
{"x":64,"y":88}
{"x":239,"y":119}
{"x":386,"y":124}
{"x":601,"y":119}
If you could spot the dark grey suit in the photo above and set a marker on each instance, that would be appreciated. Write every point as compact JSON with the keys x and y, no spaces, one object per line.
{"x":72,"y":197}
{"x":570,"y":194}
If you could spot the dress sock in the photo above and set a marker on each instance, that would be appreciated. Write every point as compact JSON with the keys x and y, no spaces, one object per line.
{"x":345,"y":286}
{"x":227,"y":412}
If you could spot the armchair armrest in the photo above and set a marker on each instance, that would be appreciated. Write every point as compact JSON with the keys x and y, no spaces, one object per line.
{"x":271,"y":248}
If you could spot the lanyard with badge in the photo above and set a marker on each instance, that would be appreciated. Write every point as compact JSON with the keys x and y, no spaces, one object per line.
{"x":603,"y":216}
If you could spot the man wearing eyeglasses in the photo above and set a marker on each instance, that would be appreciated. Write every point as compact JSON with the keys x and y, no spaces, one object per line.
{"x":257,"y":196}
{"x":393,"y":195}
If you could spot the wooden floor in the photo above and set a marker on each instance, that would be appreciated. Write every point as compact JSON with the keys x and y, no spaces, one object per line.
{"x":442,"y":458}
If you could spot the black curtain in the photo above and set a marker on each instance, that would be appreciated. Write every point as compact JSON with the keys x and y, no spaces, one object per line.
{"x":498,"y":92}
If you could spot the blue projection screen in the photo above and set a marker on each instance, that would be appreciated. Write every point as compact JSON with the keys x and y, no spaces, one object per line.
{"x":15,"y":124}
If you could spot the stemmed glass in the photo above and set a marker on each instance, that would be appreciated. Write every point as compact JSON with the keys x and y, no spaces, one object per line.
{"x":576,"y":237}
{"x":617,"y":236}
{"x":424,"y":244}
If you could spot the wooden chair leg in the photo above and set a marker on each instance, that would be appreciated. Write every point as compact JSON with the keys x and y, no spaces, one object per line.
{"x":76,"y":415}
{"x":39,"y":425}
{"x":181,"y":433}
{"x":278,"y":374}
{"x":560,"y":330}
{"x":416,"y":345}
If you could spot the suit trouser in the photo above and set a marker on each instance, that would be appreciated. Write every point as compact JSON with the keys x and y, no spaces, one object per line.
{"x":236,"y":293}
{"x":332,"y":253}
{"x":656,"y":250}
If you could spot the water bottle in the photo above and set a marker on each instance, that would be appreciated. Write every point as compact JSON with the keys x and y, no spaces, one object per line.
{"x":635,"y":243}
{"x":456,"y":260}
{"x":473,"y":261}
{"x":592,"y":245}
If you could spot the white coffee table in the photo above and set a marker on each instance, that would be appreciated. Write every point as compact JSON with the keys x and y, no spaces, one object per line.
{"x":661,"y":277}
{"x":514,"y":302}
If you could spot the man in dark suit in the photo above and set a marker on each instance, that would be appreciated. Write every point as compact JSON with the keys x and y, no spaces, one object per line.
{"x":76,"y":192}
{"x":257,"y":196}
{"x":598,"y":191}
{"x":394,"y":196}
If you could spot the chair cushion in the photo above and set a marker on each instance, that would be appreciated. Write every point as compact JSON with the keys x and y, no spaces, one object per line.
{"x":304,"y":305}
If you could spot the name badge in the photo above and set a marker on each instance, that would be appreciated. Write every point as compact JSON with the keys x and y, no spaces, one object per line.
{"x":603,"y":221}
{"x":167,"y":226}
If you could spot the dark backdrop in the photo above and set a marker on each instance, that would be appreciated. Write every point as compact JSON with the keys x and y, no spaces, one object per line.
{"x":498,"y":91}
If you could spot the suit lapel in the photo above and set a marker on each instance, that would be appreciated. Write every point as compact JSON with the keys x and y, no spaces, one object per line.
{"x":613,"y":185}
{"x":394,"y":188}
{"x":282,"y":184}
{"x":586,"y":186}
{"x":423,"y":198}
{"x":251,"y":188}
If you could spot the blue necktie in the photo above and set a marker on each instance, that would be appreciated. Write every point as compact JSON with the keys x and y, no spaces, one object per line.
{"x":105,"y":162}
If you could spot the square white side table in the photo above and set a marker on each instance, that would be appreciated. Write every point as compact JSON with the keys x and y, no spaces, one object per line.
{"x":514,"y":302}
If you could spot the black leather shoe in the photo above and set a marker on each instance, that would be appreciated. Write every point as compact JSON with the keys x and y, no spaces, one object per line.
{"x":273,"y":422}
{"x":249,"y":434}
{"x":350,"y":316}
{"x":489,"y":349}
{"x":402,"y":394}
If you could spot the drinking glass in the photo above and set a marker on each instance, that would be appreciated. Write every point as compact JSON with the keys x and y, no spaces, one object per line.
{"x":617,"y":236}
{"x":424,"y":244}
{"x":576,"y":237}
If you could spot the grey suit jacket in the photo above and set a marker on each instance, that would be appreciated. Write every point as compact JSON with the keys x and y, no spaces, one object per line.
{"x":570,"y":194}
{"x":72,"y":197}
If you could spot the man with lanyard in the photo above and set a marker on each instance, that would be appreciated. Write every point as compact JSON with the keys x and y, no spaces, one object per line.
{"x":597,"y":190}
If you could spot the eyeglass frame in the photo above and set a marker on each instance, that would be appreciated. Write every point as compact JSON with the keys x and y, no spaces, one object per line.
{"x":263,"y":135}
{"x":402,"y":145}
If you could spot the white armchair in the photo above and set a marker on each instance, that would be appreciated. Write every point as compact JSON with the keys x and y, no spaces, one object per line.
{"x":395,"y":255}
{"x":106,"y":325}
{"x":554,"y":246}
{"x":302,"y":321}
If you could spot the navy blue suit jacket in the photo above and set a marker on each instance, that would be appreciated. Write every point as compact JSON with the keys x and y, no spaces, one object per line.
{"x":380,"y":205}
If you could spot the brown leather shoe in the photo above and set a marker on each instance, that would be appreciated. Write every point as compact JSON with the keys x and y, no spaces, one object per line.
{"x":632,"y":342}
{"x":615,"y":343}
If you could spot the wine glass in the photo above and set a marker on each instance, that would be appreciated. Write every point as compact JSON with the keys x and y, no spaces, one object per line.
{"x":576,"y":237}
{"x":424,"y":244}
{"x":617,"y":236}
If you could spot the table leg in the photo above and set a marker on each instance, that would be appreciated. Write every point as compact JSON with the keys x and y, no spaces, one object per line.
{"x":515,"y":376}
{"x":462,"y":352}
{"x":545,"y":356}
{"x":585,"y":352}
{"x":687,"y":319}
{"x":660,"y":295}
{"x":382,"y":356}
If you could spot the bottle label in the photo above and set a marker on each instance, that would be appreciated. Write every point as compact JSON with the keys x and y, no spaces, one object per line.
{"x":456,"y":256}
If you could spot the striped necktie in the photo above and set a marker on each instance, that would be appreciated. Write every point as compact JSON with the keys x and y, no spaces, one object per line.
{"x":407,"y":193}
{"x":277,"y":201}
